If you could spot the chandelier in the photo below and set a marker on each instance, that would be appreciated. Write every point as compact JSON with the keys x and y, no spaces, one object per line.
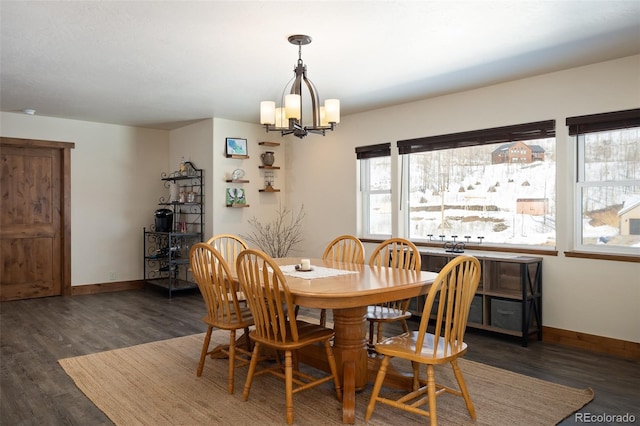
{"x":287,"y":118}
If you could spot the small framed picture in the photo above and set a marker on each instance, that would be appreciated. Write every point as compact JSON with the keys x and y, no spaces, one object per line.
{"x":235,"y":196}
{"x":236,"y":148}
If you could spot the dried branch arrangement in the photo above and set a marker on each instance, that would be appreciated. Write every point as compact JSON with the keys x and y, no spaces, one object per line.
{"x":278,"y":237}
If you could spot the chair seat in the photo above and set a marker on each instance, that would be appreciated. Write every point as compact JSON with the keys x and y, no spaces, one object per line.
{"x":404,"y":346}
{"x":307,"y":333}
{"x":384,"y":313}
{"x":232,"y":322}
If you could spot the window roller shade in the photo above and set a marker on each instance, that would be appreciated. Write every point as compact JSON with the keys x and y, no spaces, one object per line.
{"x":372,"y":151}
{"x":602,"y":122}
{"x":518,"y":132}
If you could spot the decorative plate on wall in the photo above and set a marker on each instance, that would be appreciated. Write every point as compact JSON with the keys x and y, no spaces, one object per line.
{"x":237,"y":174}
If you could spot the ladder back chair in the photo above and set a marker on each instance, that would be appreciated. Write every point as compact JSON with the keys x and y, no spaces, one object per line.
{"x":396,"y":253}
{"x":229,"y":246}
{"x":271,"y":303}
{"x":345,"y":248}
{"x":454,"y":287}
{"x":224,"y":311}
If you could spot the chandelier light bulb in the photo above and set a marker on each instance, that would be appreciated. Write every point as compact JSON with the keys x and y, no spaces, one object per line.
{"x":281,"y":118}
{"x":267,"y":112}
{"x":332,"y":108}
{"x":292,"y":104}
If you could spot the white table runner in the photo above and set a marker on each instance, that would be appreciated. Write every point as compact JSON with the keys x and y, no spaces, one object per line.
{"x":316,"y":272}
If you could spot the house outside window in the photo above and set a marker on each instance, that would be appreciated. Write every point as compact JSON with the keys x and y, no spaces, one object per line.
{"x":607,"y":189}
{"x":517,"y":152}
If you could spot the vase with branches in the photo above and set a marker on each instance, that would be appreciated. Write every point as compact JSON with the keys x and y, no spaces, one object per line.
{"x":279,"y":236}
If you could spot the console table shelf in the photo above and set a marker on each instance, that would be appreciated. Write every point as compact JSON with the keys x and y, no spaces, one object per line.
{"x":509,"y":296}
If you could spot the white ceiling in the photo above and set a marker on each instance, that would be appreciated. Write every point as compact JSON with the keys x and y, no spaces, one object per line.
{"x":162,"y":64}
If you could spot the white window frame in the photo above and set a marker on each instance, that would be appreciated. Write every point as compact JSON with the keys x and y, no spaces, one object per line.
{"x":365,"y":199}
{"x":365,"y":155}
{"x":578,"y":127}
{"x":581,"y":185}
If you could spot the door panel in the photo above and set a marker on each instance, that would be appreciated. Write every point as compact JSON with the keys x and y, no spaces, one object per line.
{"x":31,"y":244}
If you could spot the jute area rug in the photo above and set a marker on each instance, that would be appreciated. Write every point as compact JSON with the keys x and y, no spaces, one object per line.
{"x":156,"y":384}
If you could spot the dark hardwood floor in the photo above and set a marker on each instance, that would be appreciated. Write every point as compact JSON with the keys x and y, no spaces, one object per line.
{"x":34,"y":390}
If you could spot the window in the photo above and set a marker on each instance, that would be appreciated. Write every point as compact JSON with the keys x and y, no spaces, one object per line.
{"x":375,"y":184}
{"x":607,"y":191}
{"x":493,"y":186}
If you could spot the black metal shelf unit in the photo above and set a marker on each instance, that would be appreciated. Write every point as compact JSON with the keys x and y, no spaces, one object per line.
{"x":166,"y":254}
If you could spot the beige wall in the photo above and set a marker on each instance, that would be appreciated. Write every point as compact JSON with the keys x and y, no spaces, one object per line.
{"x":116,"y":186}
{"x":195,"y":143}
{"x":116,"y":170}
{"x":592,"y":296}
{"x":262,"y":205}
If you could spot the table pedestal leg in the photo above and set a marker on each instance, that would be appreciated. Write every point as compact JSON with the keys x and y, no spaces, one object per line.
{"x":350,"y":350}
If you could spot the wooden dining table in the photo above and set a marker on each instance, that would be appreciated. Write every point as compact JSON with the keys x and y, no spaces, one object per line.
{"x":348,"y":296}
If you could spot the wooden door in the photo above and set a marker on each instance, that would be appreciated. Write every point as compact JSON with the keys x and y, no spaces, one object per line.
{"x":34,"y":219}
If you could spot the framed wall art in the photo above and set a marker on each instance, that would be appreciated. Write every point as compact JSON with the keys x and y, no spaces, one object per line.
{"x":236,"y":148}
{"x":236,"y":198}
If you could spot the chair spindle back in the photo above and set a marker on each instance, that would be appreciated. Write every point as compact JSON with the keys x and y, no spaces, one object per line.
{"x":268,"y":296}
{"x":455,"y":286}
{"x":345,"y":248}
{"x":396,"y":253}
{"x":215,"y":282}
{"x":229,"y":246}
